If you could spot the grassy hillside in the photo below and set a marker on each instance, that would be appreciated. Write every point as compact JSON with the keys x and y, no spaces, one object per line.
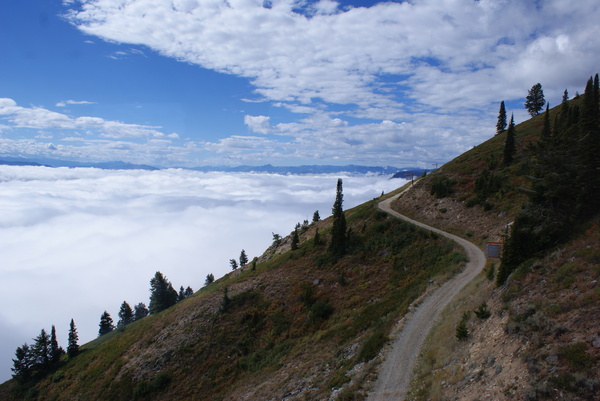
{"x":300,"y":325}
{"x":542,"y":340}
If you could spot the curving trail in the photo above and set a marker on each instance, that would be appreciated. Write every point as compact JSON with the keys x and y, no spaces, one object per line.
{"x":396,"y":371}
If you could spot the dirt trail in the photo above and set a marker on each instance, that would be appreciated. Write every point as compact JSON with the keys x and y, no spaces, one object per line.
{"x":396,"y":370}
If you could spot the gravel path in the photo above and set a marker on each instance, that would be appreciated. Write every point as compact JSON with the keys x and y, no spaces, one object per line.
{"x":396,"y":370}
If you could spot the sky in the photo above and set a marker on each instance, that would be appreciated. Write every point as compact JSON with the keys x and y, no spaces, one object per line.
{"x":181,"y":83}
{"x":77,"y":242}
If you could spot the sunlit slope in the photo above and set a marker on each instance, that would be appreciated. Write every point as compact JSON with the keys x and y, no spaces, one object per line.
{"x":301,"y":323}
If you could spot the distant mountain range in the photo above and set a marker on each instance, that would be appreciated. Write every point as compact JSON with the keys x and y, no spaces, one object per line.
{"x":396,"y":172}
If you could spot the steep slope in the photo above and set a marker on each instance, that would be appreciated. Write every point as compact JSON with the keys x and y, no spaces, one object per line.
{"x":542,"y":340}
{"x":396,"y":371}
{"x":301,"y":325}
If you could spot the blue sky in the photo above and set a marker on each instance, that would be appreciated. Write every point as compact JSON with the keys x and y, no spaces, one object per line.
{"x":195,"y":82}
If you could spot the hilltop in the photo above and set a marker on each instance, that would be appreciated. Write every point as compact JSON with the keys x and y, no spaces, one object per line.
{"x":303,"y":324}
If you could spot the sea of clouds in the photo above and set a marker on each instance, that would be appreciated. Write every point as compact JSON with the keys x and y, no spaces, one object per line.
{"x":77,"y":242}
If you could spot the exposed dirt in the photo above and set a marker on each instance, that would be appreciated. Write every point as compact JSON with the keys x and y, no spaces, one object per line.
{"x":396,"y":370}
{"x":452,"y":215}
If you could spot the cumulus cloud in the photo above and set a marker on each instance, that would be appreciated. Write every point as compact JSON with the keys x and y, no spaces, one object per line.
{"x":99,"y":236}
{"x":396,"y":61}
{"x":258,"y":124}
{"x":41,"y":118}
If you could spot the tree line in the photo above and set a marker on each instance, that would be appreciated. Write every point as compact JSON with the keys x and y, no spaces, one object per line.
{"x":34,"y":361}
{"x":565,"y":188}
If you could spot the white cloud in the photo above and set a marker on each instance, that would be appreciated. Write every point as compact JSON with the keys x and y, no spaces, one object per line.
{"x":41,"y":118}
{"x":81,"y":241}
{"x":258,"y":124}
{"x":404,"y":61}
{"x":73,"y":102}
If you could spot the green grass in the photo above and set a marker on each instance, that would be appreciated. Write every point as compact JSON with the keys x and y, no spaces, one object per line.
{"x":277,"y":312}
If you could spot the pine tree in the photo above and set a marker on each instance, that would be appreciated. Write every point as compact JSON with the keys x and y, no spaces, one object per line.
{"x":317,"y":238}
{"x":72,"y":347}
{"x":162,"y":293}
{"x":316,"y":217}
{"x":125,"y":315}
{"x":243,"y":258}
{"x":338,"y":232}
{"x":188,"y":292}
{"x":233,"y":264}
{"x":225,"y":301}
{"x":534,"y":102}
{"x":106,"y":324}
{"x":23,"y":364}
{"x":140,"y":311}
{"x":509,"y":144}
{"x":209,"y":279}
{"x":42,"y":351}
{"x":546,"y":130}
{"x":295,"y":240}
{"x":56,"y":351}
{"x":501,"y":124}
{"x":589,"y":151}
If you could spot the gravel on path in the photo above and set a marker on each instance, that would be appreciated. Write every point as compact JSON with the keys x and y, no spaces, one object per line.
{"x":396,"y":370}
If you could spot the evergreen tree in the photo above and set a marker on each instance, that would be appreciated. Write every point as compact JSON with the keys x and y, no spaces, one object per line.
{"x":42,"y":351}
{"x":534,"y":102}
{"x":106,"y":324}
{"x":72,"y":347}
{"x":338,"y":232}
{"x":317,"y":238}
{"x":225,"y":301}
{"x":23,"y":364}
{"x":56,"y":351}
{"x":209,"y":279}
{"x":162,"y":293}
{"x":276,"y":239}
{"x":589,"y":151}
{"x":125,"y":315}
{"x":566,"y":183}
{"x":316,"y":218}
{"x":501,"y":124}
{"x":188,"y":292}
{"x":509,"y":144}
{"x":233,"y":264}
{"x":546,"y":130}
{"x":295,"y":240}
{"x":243,"y":258}
{"x":140,"y":311}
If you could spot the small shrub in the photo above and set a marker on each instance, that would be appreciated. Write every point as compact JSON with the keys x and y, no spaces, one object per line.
{"x":462,"y":332}
{"x":577,"y":357}
{"x":372,"y":346}
{"x":320,"y":310}
{"x":442,"y":187}
{"x":490,"y":273}
{"x":482,"y":311}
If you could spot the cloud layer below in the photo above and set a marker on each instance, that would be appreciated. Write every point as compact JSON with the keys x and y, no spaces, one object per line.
{"x":76,"y":242}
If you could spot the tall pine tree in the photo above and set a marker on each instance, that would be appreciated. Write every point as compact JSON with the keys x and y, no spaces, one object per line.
{"x":72,"y":346}
{"x":501,"y":124}
{"x":337,"y":247}
{"x":534,"y":102}
{"x":509,"y":144}
{"x":56,"y":351}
